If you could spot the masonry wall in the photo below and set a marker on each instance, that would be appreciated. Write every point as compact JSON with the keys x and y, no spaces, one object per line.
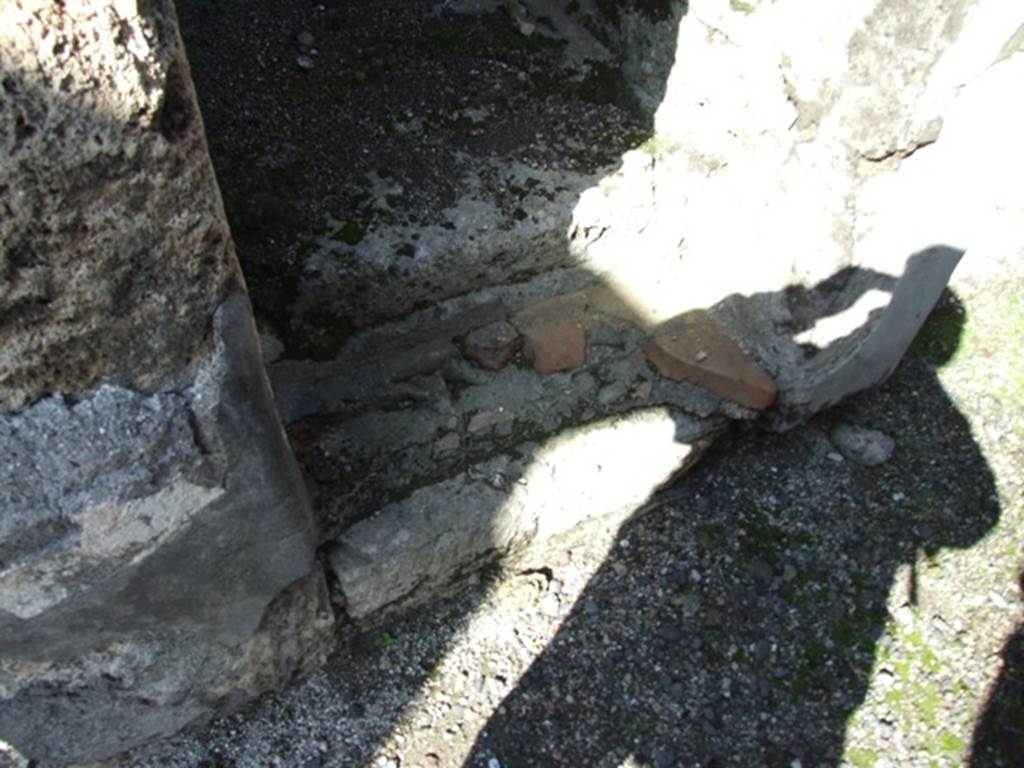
{"x":156,"y":546}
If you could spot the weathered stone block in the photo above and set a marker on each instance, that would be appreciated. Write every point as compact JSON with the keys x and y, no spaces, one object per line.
{"x":114,"y":252}
{"x":156,"y":551}
{"x":156,"y":543}
{"x":78,"y":494}
{"x":419,"y":546}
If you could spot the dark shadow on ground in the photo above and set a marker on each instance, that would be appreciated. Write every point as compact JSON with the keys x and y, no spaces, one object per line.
{"x":738,"y":623}
{"x":999,"y":736}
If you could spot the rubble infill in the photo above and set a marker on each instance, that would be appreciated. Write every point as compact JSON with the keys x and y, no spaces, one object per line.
{"x":458,"y":436}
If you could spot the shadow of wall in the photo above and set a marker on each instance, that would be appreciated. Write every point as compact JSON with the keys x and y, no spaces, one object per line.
{"x":998,"y":738}
{"x":741,"y":622}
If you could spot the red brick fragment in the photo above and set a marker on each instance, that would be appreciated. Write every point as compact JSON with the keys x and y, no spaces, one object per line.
{"x":554,"y":338}
{"x":493,"y":345}
{"x":692,"y":348}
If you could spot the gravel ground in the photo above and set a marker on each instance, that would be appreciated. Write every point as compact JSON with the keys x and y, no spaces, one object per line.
{"x":779,"y":606}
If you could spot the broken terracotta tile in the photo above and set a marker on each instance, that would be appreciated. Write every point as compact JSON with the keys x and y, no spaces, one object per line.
{"x":559,"y":345}
{"x":692,"y":348}
{"x":493,"y":345}
{"x":554,"y":338}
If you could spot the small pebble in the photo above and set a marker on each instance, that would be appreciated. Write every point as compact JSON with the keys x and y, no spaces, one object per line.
{"x":304,"y":62}
{"x":665,"y":758}
{"x":761,"y":570}
{"x":762,"y":650}
{"x":670,"y":633}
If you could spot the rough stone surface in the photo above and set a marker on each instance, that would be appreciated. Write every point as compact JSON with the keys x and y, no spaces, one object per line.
{"x":694,"y":158}
{"x":147,"y":547}
{"x":389,"y":423}
{"x":691,"y":348}
{"x":741,"y":170}
{"x":78,"y":495}
{"x":749,"y":164}
{"x":635,"y":630}
{"x":293,"y":639}
{"x":114,"y":251}
{"x":370,"y":361}
{"x":774,"y":194}
{"x":493,"y":345}
{"x":156,"y":545}
{"x":479,"y":140}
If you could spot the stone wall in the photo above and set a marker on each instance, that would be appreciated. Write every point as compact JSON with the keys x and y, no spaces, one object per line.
{"x":156,"y":545}
{"x":116,"y":252}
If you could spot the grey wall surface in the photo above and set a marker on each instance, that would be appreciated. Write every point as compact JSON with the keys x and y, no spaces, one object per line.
{"x":156,"y":544}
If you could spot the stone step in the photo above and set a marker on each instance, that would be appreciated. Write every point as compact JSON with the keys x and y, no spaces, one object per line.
{"x":461,"y":434}
{"x":452,"y":438}
{"x":421,"y":406}
{"x":421,"y":546}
